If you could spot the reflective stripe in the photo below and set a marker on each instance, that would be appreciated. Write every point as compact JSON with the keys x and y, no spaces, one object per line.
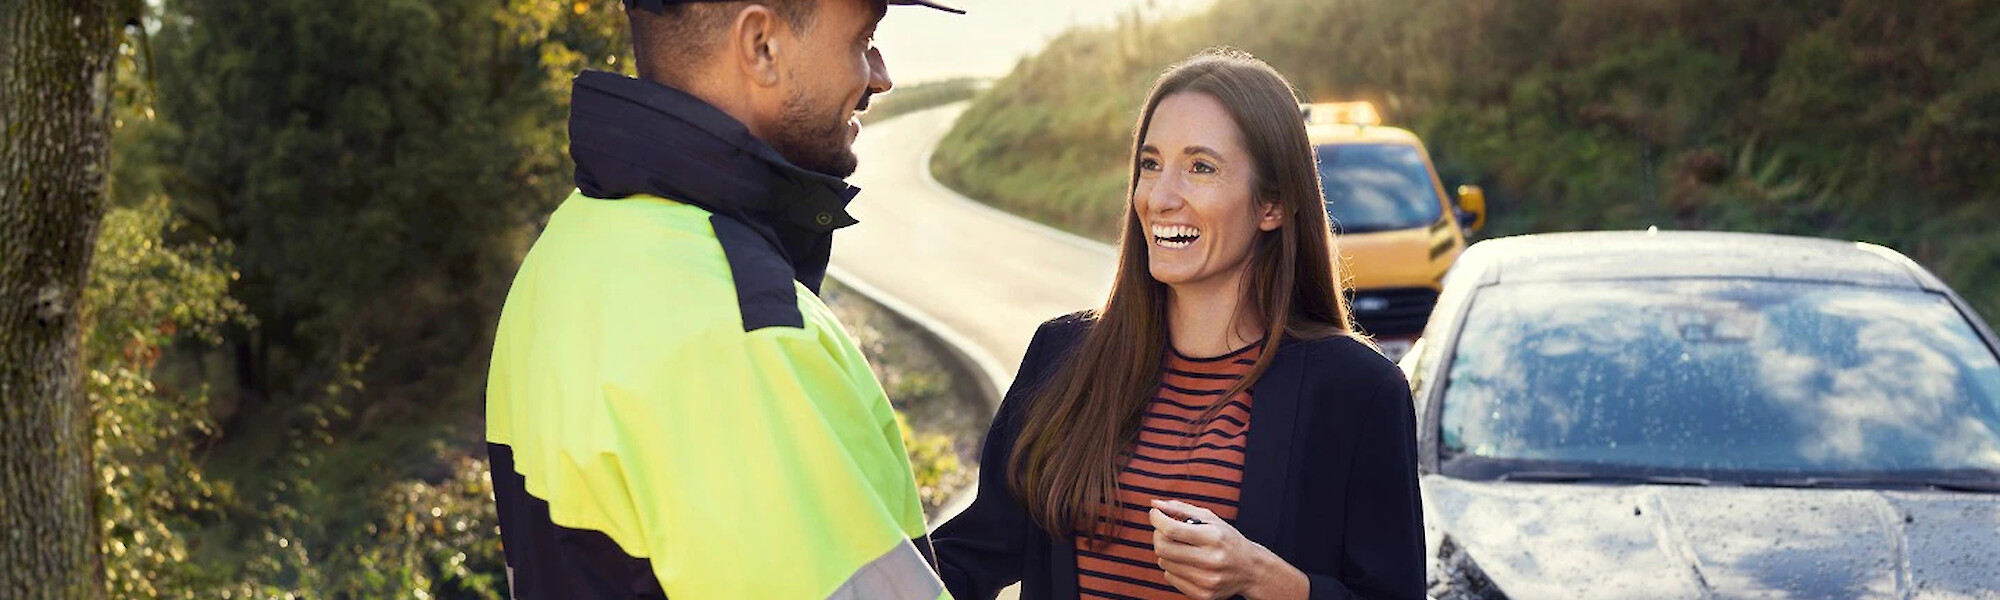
{"x":900,"y":574}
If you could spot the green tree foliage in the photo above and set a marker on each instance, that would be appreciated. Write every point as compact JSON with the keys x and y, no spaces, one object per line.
{"x":379,"y":168}
{"x":1849,"y":119}
{"x":320,"y":205}
{"x":169,"y":528}
{"x":368,"y":176}
{"x":144,"y":297}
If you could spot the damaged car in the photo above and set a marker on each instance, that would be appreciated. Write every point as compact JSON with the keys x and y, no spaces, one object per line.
{"x":1657,"y":414}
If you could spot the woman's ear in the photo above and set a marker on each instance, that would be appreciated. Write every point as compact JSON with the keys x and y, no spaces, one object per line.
{"x":1272,"y":216}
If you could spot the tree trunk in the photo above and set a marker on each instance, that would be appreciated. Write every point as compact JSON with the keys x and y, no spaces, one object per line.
{"x":55,"y":58}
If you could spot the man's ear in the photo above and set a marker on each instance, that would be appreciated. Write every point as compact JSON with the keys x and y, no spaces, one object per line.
{"x":753,"y":44}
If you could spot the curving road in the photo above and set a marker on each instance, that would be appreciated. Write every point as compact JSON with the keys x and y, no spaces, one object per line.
{"x":982,"y":277}
{"x":978,"y":277}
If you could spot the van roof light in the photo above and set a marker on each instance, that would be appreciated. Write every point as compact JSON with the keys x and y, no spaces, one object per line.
{"x":1340,"y":113}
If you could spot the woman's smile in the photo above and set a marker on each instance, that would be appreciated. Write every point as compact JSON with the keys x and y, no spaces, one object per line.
{"x":1175,"y":237}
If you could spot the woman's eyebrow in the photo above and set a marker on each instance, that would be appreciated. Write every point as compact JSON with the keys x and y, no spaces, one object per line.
{"x":1199,"y":149}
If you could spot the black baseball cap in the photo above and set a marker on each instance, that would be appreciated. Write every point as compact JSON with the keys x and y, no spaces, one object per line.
{"x":659,"y":5}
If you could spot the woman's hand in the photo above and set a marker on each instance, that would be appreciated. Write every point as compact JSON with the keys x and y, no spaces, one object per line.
{"x":1212,"y":560}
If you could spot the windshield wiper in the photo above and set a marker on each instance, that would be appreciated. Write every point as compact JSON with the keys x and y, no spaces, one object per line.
{"x":1588,"y":477}
{"x":1953,"y":485}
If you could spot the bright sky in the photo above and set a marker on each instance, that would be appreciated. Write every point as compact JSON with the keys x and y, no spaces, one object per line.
{"x":921,"y":44}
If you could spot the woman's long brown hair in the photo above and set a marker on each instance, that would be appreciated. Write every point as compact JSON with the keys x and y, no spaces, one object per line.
{"x":1081,"y":424}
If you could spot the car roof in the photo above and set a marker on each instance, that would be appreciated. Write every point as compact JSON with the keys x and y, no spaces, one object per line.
{"x":1653,"y":254}
{"x":1340,"y":133}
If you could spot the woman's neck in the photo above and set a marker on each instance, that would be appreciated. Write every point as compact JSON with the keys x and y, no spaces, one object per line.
{"x":1211,"y":318}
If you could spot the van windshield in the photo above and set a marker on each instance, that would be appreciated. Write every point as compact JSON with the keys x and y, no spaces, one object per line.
{"x":1377,"y":187}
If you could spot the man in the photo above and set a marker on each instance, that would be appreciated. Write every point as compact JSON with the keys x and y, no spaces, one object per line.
{"x":671,"y":410}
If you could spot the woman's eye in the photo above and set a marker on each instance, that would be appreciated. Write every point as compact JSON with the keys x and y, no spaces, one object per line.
{"x":1148,"y":164}
{"x":1202,"y":166}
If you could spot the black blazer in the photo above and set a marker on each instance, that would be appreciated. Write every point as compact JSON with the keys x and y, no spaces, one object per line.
{"x":1329,"y":479}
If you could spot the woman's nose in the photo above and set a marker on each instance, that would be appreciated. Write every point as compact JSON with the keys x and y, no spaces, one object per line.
{"x":1165,"y":193}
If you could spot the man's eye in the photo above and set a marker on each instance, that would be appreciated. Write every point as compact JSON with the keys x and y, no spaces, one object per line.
{"x":1202,"y":166}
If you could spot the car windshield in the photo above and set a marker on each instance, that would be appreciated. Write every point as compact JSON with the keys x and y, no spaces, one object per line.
{"x":1720,"y":377}
{"x":1377,"y":187}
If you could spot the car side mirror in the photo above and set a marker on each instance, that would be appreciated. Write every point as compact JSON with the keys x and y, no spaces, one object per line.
{"x":1472,"y":207}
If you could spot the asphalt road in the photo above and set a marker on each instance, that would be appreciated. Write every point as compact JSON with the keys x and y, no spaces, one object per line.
{"x":981,"y":278}
{"x":984,"y":277}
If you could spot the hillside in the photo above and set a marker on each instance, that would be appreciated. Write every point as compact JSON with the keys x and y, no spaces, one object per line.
{"x":1857,"y":120}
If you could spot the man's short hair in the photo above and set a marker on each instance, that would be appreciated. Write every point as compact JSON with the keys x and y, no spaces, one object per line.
{"x":665,"y":45}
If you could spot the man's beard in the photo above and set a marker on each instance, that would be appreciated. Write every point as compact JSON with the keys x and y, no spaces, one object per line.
{"x":814,"y":141}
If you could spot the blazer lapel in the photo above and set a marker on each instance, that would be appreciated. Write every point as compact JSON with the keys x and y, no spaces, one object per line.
{"x":1062,"y":568}
{"x":1274,"y":408}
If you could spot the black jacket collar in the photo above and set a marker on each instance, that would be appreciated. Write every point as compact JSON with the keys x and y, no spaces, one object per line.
{"x":630,"y":136}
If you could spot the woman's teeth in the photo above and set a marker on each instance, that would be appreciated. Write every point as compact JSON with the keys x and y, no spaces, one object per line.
{"x":1175,"y":236}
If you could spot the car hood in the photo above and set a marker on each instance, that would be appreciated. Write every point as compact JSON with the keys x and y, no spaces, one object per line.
{"x":1556,"y":540}
{"x":1397,"y":258}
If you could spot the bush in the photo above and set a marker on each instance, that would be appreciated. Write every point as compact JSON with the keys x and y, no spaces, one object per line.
{"x":144,"y":297}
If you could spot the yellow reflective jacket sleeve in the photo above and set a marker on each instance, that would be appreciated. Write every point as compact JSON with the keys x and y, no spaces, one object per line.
{"x":736,"y":464}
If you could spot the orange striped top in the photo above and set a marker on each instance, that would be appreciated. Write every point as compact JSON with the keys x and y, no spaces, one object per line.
{"x":1176,"y":458}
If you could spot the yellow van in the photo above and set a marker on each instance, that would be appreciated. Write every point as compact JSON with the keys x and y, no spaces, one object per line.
{"x":1397,"y":229}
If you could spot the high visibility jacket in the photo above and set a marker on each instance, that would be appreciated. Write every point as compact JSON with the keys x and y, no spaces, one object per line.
{"x":671,"y":410}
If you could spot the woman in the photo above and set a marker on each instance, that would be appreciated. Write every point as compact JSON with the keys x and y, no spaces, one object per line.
{"x":1217,"y":428}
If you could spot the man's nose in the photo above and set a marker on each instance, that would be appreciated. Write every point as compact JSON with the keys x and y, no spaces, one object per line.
{"x":878,"y":73}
